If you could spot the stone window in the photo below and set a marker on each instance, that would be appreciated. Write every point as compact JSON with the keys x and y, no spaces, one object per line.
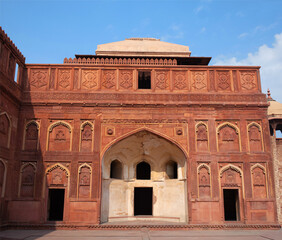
{"x":143,"y":171}
{"x":116,"y":169}
{"x":171,"y":170}
{"x":144,"y":80}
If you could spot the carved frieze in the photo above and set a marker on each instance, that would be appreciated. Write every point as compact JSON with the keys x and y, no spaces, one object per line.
{"x":142,"y":121}
{"x":171,"y":98}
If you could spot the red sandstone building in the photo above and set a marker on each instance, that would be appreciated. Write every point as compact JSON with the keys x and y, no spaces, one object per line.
{"x":139,"y":131}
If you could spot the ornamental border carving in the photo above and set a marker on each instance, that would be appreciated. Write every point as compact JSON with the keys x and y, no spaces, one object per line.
{"x":87,"y":122}
{"x":142,"y":121}
{"x":261,"y":135}
{"x":236,"y":128}
{"x":4,"y":177}
{"x":78,"y":172}
{"x":55,"y":124}
{"x":50,"y":169}
{"x":37,"y":123}
{"x":58,"y":165}
{"x":230,"y":166}
{"x":210,"y":99}
{"x":10,"y":127}
{"x":25,"y":164}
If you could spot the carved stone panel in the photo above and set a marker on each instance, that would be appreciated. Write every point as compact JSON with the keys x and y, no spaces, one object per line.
{"x":31,"y":137}
{"x":248,"y":80}
{"x":202,"y":137}
{"x":4,"y":130}
{"x":228,"y":139}
{"x":223,"y":81}
{"x":125,"y":79}
{"x":89,"y":79}
{"x":84,"y":182}
{"x":59,"y":138}
{"x":180,"y":81}
{"x":57,"y":176}
{"x":204,"y":183}
{"x":199,"y":81}
{"x":109,"y":79}
{"x":38,"y":79}
{"x":255,"y":138}
{"x":27,"y":181}
{"x":162,"y":80}
{"x":86,"y":138}
{"x":64,"y":79}
{"x":231,"y":178}
{"x":259,"y":185}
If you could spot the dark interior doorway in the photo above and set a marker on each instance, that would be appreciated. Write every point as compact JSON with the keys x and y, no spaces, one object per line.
{"x":231,"y":204}
{"x":143,"y":201}
{"x":56,"y":204}
{"x":143,"y":171}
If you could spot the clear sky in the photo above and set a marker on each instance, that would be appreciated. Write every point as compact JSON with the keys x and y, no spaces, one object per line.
{"x":232,"y":32}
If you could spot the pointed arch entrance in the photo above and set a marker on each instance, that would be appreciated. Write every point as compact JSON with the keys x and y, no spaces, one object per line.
{"x":138,"y":153}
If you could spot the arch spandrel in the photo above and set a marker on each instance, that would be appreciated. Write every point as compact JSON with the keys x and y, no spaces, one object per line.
{"x":168,"y":138}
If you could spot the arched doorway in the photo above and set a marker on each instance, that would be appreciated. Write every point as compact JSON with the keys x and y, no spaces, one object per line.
{"x":144,"y":189}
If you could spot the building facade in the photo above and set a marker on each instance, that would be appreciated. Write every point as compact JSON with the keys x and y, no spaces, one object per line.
{"x":139,"y":131}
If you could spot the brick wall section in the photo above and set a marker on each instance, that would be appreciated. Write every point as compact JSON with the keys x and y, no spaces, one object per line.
{"x":279,"y":177}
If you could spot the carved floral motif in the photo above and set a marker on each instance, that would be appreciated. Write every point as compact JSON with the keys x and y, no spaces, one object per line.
{"x":60,"y":135}
{"x":126,"y":79}
{"x":64,"y":78}
{"x":89,"y":79}
{"x":248,"y":80}
{"x":38,"y":78}
{"x":109,"y":79}
{"x":199,"y":80}
{"x":223,"y":78}
{"x":161,"y":80}
{"x":180,"y":81}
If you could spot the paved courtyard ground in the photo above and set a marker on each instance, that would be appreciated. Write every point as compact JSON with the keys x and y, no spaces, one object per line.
{"x":143,"y":234}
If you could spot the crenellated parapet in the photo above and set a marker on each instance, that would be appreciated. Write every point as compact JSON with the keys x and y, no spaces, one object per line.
{"x":13,"y":48}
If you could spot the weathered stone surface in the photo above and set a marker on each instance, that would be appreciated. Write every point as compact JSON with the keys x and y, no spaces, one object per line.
{"x":202,"y":129}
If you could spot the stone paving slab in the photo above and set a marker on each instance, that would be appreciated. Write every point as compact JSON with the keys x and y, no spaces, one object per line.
{"x":143,"y":234}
